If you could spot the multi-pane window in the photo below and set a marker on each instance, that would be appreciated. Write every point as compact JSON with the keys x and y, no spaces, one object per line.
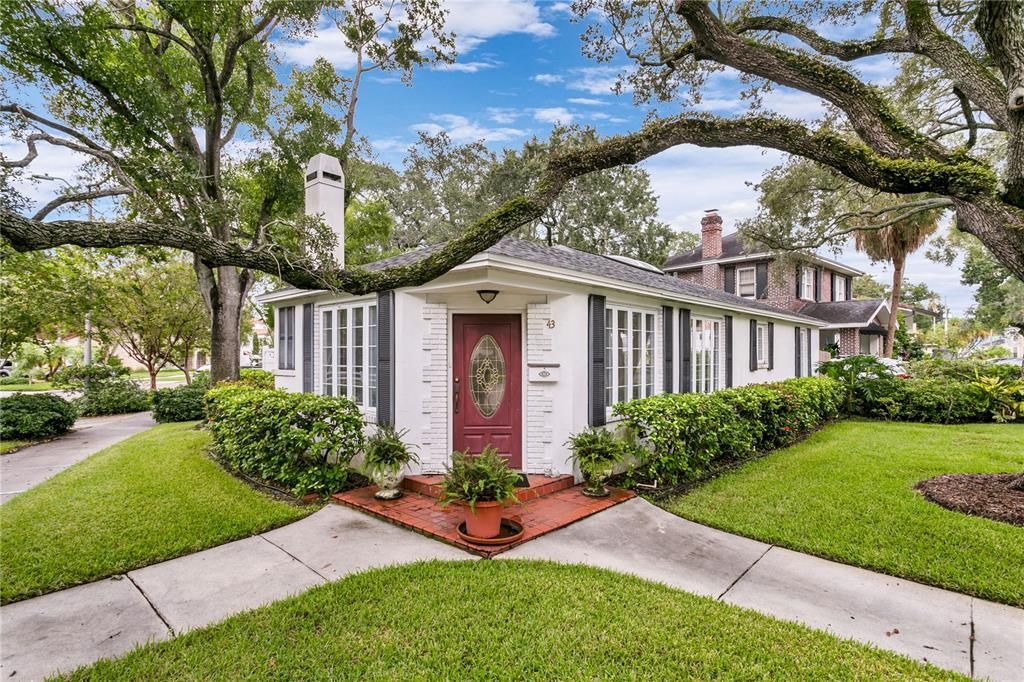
{"x":706,"y":354}
{"x":839,"y":294}
{"x":286,"y":337}
{"x":807,"y":284}
{"x":746,"y":282}
{"x":327,"y":352}
{"x":352,"y":372}
{"x":629,"y":354}
{"x":762,"y":345}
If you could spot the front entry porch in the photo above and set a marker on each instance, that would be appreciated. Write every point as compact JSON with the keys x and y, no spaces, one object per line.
{"x":546,"y":504}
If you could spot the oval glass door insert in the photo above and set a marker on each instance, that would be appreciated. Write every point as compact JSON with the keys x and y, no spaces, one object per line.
{"x":487,"y":375}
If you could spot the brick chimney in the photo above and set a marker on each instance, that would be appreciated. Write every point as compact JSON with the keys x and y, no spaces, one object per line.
{"x":711,"y":248}
{"x":325,"y":196}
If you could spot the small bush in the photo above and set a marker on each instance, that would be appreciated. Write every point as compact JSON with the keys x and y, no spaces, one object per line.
{"x":682,"y":434}
{"x":962,"y":370}
{"x":179,"y":404}
{"x":257,"y":378}
{"x":478,"y":478}
{"x":13,"y":380}
{"x":105,"y":389}
{"x":117,"y":396}
{"x":299,"y":440}
{"x":35,"y":415}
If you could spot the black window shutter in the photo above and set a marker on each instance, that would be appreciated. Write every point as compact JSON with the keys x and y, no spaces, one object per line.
{"x":386,"y":358}
{"x":753,"y":345}
{"x":849,"y":288}
{"x":595,"y":349}
{"x":667,"y":343}
{"x":762,"y":280}
{"x":771,"y":345}
{"x":730,"y":280}
{"x":833,"y":276}
{"x":728,"y":351}
{"x":817,"y":284}
{"x":799,"y":272}
{"x":307,"y":348}
{"x":796,"y":331}
{"x":685,"y":355}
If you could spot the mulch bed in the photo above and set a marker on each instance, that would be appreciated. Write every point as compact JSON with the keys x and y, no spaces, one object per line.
{"x":987,"y":495}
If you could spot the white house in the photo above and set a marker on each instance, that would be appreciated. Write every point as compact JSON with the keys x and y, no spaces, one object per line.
{"x":522,"y":345}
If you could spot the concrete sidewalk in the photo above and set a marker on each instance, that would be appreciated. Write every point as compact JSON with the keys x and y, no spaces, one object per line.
{"x":30,"y":466}
{"x":948,"y":629}
{"x":63,"y":630}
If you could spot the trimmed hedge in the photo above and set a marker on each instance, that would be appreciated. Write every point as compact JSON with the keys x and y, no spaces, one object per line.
{"x":257,"y":378}
{"x":106,"y":389}
{"x":179,"y":404}
{"x":299,"y":440}
{"x":930,"y":401}
{"x":680,"y":435}
{"x":35,"y":415}
{"x":962,"y":370}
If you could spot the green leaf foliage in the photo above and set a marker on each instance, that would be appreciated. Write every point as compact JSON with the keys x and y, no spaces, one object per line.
{"x":478,"y":478}
{"x":35,"y":415}
{"x":386,"y":451}
{"x":681,"y":435}
{"x":299,"y":440}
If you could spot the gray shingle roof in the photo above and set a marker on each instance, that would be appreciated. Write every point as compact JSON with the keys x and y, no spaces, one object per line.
{"x":732,"y":246}
{"x":858,"y":311}
{"x":594,"y":264}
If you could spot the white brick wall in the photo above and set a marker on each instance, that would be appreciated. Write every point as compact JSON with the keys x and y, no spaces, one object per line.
{"x":539,"y":396}
{"x":434,"y":377}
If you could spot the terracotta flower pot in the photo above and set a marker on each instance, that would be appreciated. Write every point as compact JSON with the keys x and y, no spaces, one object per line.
{"x":484,"y":521}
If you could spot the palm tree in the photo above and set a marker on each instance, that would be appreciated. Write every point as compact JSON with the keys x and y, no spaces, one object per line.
{"x":892,"y":244}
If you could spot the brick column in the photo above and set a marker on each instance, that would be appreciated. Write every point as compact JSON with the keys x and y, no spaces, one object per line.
{"x":711,"y":248}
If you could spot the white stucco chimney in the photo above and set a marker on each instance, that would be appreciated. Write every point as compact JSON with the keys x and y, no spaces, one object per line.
{"x":325,"y":196}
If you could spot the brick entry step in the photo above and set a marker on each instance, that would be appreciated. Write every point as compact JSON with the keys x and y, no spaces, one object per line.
{"x":549,"y":503}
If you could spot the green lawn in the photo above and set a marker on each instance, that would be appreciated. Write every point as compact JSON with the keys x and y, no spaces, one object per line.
{"x":151,"y":497}
{"x":507,"y":620}
{"x":27,"y":388}
{"x":9,"y":445}
{"x":847,"y":493}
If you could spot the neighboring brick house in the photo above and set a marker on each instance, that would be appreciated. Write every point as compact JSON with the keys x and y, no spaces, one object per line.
{"x":815,"y":286}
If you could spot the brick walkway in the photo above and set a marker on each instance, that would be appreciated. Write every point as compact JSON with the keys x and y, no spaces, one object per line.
{"x":549,"y":503}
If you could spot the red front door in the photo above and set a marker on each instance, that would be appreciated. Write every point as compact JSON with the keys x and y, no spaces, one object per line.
{"x":487,"y":385}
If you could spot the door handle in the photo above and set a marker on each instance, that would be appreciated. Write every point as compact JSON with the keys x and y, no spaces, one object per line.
{"x":456,"y":396}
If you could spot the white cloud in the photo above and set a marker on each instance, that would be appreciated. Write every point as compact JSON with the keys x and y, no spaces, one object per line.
{"x":503,"y":115}
{"x":560,"y":7}
{"x":472,"y":21}
{"x":597,"y":80}
{"x":467,"y":67}
{"x":587,"y":101}
{"x":389,"y":144}
{"x":462,"y":130}
{"x":483,"y":19}
{"x":553,"y":115}
{"x":547,"y":78}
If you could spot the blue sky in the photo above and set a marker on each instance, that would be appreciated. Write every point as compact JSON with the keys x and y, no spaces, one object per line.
{"x":520,"y":70}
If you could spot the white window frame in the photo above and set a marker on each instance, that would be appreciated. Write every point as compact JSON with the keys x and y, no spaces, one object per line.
{"x":633,"y":379}
{"x":706,"y":364}
{"x":286,"y":338}
{"x":840,"y":285}
{"x":807,"y":283}
{"x":762,"y":345}
{"x":348,"y":343}
{"x":752,"y":284}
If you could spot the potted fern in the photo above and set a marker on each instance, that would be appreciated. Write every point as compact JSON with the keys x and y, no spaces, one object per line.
{"x":484,"y":484}
{"x":596,"y":452}
{"x":386,"y":455}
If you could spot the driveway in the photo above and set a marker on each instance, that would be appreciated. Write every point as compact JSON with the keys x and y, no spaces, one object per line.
{"x":31,"y":466}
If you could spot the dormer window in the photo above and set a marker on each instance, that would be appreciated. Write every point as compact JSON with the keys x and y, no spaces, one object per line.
{"x":746,"y":282}
{"x":807,"y":284}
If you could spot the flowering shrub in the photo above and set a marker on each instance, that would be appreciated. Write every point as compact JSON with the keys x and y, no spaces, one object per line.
{"x":300,"y":440}
{"x":680,"y":435}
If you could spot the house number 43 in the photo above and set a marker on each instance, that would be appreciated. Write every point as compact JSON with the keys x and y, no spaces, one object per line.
{"x":551,"y":324}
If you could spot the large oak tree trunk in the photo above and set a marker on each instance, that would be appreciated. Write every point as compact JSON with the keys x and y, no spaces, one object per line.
{"x":224,"y":289}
